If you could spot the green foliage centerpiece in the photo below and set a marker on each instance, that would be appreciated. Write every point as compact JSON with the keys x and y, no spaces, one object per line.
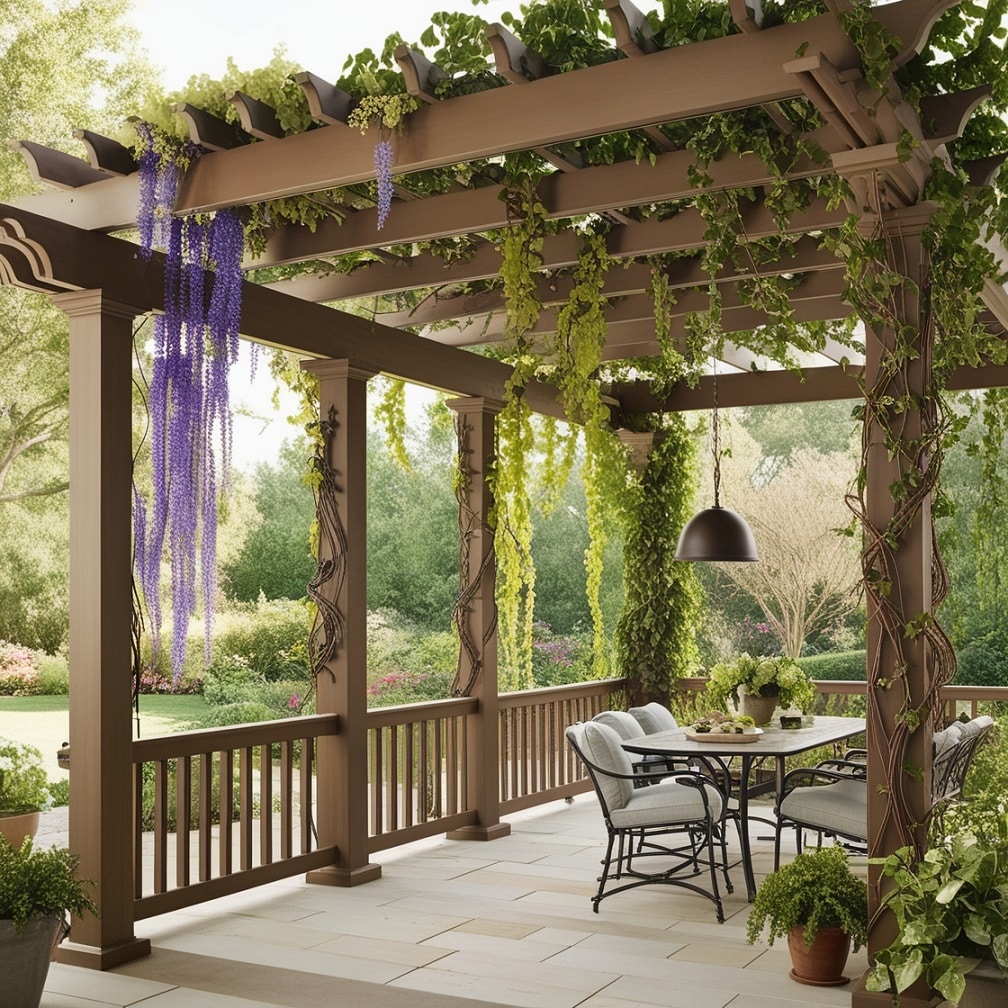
{"x":776,"y":677}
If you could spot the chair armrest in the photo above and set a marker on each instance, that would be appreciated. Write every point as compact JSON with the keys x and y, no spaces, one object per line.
{"x":820,"y":775}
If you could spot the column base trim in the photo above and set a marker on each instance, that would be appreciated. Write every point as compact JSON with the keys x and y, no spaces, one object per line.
{"x":494,"y":832}
{"x":97,"y":958}
{"x":345,"y":878}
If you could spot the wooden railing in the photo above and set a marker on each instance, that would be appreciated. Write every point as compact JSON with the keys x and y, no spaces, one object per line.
{"x":189,"y":847}
{"x":220,"y":810}
{"x":535,"y":763}
{"x":418,"y":766}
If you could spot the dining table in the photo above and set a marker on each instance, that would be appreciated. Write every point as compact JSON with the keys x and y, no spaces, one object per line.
{"x":770,"y":743}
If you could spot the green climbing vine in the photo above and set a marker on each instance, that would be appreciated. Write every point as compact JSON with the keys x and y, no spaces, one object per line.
{"x":654,"y":636}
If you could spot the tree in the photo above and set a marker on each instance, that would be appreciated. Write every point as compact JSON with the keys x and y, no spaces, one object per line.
{"x":807,"y":571}
{"x":276,"y":559}
{"x":61,"y":67}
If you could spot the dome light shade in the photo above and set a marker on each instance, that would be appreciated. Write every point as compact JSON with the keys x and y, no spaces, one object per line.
{"x":717,"y":533}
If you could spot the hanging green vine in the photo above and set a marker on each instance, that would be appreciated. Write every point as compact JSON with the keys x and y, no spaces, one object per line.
{"x":654,"y":638}
{"x":521,"y":251}
{"x":580,"y":341}
{"x":390,"y":412}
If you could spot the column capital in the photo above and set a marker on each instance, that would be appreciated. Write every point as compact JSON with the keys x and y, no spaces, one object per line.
{"x":475,"y":404}
{"x":94,"y":302}
{"x":329,"y":367}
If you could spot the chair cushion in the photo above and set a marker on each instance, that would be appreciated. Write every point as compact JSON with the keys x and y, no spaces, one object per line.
{"x":947,"y":737}
{"x":624,"y":724}
{"x":667,"y":802}
{"x":654,"y":718}
{"x":837,"y":808}
{"x":602,"y":745}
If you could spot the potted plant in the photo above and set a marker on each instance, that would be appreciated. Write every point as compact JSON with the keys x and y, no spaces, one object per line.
{"x":24,"y":789}
{"x":774,"y":680}
{"x":952,"y":911}
{"x":38,"y":888}
{"x":820,"y":906}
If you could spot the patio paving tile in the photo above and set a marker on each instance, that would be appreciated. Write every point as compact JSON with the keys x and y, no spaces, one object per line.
{"x":452,"y":924}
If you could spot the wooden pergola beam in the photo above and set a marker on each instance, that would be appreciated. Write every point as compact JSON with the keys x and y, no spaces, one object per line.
{"x":662,"y":87}
{"x":83,"y":260}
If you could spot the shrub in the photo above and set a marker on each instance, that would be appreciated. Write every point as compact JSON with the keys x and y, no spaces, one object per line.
{"x":154,"y":681}
{"x":54,"y":674}
{"x":19,"y":674}
{"x":230,"y":679}
{"x":845,"y":666}
{"x":984,"y":661}
{"x":395,"y":688}
{"x":558,"y":659}
{"x":271,"y":636}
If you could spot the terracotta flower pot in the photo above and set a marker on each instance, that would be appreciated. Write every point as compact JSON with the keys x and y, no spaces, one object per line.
{"x":822,"y":963}
{"x":17,"y":825}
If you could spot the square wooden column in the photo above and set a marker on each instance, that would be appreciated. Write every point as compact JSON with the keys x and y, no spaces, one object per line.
{"x":101,"y":611}
{"x":341,"y":688}
{"x":895,"y":823}
{"x":476,"y":615}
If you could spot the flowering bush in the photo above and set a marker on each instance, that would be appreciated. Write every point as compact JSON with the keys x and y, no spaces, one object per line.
{"x":403,"y":687}
{"x":756,"y":638}
{"x":779,"y":676}
{"x":19,"y":672}
{"x":24,"y":785}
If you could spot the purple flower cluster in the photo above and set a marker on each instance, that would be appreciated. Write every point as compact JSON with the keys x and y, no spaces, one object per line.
{"x":559,"y":651}
{"x":383,"y":176}
{"x":191,"y":421}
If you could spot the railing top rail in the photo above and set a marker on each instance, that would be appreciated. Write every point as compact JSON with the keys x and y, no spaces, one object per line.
{"x":597,"y":687}
{"x":428,"y":710}
{"x":206,"y":740}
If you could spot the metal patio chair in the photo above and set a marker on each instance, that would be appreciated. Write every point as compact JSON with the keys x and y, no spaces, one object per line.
{"x":643,"y":822}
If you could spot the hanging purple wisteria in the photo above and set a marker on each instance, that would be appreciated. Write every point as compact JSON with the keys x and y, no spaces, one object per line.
{"x":383,"y":176}
{"x":195,"y":342}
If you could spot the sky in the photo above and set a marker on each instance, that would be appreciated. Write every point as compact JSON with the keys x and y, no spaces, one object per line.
{"x":186,"y":37}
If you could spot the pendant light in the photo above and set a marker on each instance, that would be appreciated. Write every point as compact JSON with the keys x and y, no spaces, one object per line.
{"x":717,"y":533}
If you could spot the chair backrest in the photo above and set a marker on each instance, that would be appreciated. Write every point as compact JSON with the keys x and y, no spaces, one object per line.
{"x":654,"y":718}
{"x":625,"y":725}
{"x":954,"y":748}
{"x":600,"y":750}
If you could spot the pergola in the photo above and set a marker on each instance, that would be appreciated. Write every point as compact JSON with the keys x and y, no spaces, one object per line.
{"x":60,"y":242}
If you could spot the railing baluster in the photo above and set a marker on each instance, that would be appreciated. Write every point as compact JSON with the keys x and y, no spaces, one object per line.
{"x":205,"y":815}
{"x":160,"y":826}
{"x":266,"y":804}
{"x":226,"y":785}
{"x":245,"y":799}
{"x":286,"y":800}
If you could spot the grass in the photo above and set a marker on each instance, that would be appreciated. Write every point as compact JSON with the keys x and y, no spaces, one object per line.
{"x":44,"y":721}
{"x":180,"y":709}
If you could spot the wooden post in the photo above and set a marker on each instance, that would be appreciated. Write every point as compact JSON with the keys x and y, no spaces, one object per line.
{"x":477,"y":670}
{"x":342,"y":798}
{"x":101,"y":609}
{"x":890,"y":828}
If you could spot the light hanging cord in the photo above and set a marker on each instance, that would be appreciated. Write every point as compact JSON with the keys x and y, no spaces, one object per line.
{"x":717,"y":533}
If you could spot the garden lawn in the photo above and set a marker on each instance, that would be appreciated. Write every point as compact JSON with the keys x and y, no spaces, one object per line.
{"x":44,"y":721}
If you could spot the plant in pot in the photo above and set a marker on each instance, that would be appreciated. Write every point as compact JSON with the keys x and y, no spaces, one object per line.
{"x":820,"y":906}
{"x":24,"y":789}
{"x":951,"y":908}
{"x":757,"y":685}
{"x":38,"y":888}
